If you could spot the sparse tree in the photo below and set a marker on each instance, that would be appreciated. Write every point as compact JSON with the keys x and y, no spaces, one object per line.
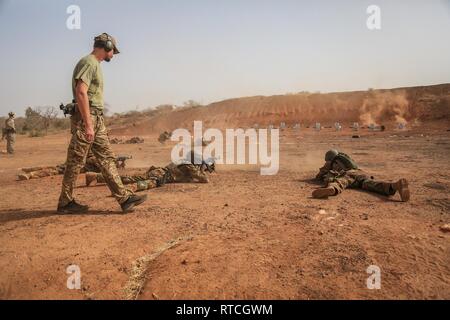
{"x":33,"y":120}
{"x":48,"y":114}
{"x":191,"y":104}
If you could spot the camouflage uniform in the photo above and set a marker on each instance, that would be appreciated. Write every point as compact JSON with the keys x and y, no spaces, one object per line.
{"x":10,"y":133}
{"x":186,"y":172}
{"x":91,"y":165}
{"x":41,"y":172}
{"x":335,"y":174}
{"x":105,"y":158}
{"x":172,"y":173}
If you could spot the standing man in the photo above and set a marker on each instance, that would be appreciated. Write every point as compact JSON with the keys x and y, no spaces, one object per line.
{"x":89,"y":131}
{"x":10,"y":133}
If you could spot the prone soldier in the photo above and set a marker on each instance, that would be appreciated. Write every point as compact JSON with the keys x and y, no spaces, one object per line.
{"x":91,"y":165}
{"x":186,"y":172}
{"x":340,"y":172}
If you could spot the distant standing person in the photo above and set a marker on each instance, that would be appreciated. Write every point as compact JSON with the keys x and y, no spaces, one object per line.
{"x":9,"y":132}
{"x":89,"y":131}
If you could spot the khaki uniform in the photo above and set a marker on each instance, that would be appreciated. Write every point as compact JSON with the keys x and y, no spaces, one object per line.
{"x":89,"y":71}
{"x":10,"y":135}
{"x":336,"y":175}
{"x":41,"y":172}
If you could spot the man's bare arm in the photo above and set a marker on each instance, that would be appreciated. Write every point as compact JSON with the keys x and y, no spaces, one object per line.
{"x":82,"y":100}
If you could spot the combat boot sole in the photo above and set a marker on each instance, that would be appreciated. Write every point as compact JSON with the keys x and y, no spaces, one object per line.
{"x":132,"y":202}
{"x":323,"y":193}
{"x":403,"y":189}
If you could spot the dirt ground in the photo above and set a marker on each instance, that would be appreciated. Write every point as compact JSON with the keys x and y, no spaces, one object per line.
{"x":243,"y":235}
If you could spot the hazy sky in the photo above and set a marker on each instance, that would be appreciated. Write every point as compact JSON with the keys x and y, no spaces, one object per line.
{"x":175,"y":50}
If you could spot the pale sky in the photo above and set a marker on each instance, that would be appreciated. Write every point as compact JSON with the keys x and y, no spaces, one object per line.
{"x":176,"y":50}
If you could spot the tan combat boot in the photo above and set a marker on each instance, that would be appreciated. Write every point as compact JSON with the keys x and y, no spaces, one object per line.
{"x":402,"y":187}
{"x":90,"y":177}
{"x":23,"y":176}
{"x":324,"y":192}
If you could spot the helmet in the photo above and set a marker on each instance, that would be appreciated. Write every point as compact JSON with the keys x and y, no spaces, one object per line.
{"x":11,"y":114}
{"x":329,"y":156}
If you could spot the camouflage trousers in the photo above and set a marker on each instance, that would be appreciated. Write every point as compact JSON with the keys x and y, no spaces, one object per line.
{"x":358,"y":179}
{"x":10,"y":142}
{"x":151,"y":179}
{"x":101,"y":149}
{"x":150,"y":182}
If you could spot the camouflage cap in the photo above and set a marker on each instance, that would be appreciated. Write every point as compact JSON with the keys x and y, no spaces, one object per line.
{"x":105,"y":37}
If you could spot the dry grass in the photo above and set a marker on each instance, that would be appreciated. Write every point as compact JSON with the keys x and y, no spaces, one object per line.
{"x":139,"y":270}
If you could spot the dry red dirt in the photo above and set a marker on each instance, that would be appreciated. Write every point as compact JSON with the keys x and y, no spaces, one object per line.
{"x":252,"y":236}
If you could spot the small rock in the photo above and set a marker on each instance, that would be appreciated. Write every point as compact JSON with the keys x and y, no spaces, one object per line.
{"x":155,"y":296}
{"x":435,"y":185}
{"x":445,"y":228}
{"x":184,"y":262}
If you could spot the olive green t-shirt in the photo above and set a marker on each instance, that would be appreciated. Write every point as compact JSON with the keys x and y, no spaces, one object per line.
{"x":88,"y":70}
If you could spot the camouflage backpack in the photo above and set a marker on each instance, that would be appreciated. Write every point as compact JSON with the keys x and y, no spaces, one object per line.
{"x":346,"y":160}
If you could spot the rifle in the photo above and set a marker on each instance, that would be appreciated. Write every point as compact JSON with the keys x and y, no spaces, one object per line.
{"x":209,"y":165}
{"x":68,"y":108}
{"x":120,"y":161}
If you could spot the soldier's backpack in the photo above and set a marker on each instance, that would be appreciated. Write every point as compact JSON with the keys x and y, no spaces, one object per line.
{"x":346,"y":160}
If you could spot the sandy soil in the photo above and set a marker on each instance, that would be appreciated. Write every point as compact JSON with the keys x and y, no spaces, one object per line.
{"x":244,"y":236}
{"x":410,"y":105}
